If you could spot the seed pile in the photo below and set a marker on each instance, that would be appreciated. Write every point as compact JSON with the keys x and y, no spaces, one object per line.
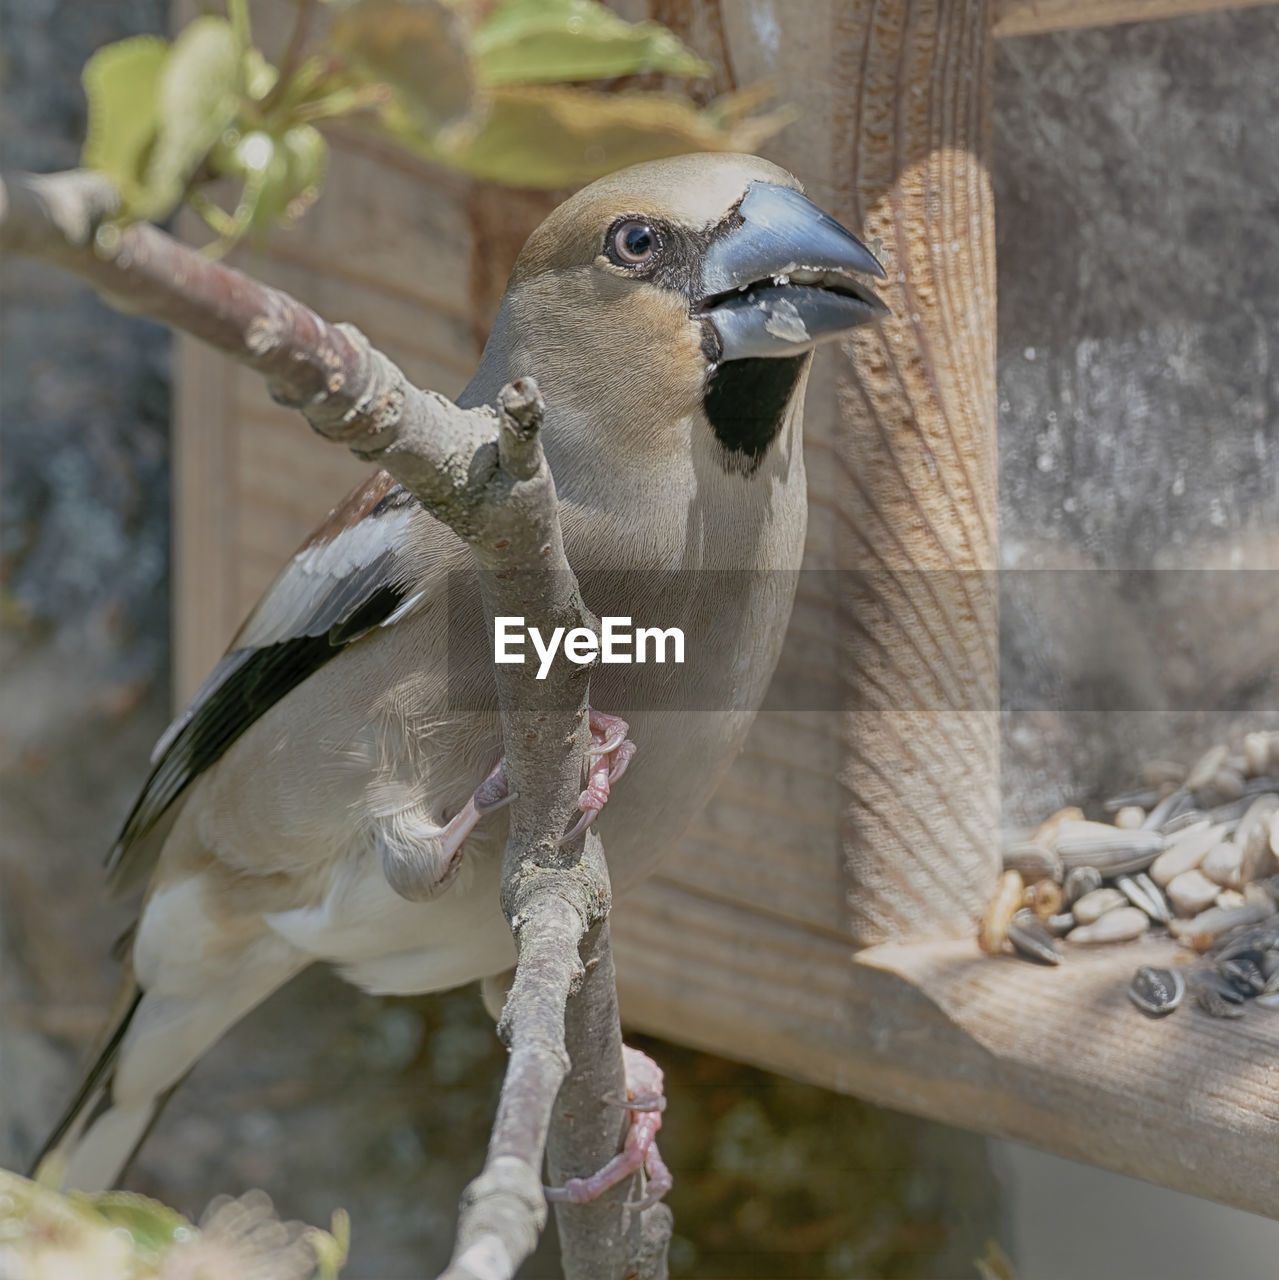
{"x":1193,"y":853}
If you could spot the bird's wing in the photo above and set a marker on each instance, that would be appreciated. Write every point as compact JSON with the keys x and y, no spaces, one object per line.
{"x":353,"y":574}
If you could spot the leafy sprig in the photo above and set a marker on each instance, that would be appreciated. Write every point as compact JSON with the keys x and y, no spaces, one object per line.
{"x":498,"y":89}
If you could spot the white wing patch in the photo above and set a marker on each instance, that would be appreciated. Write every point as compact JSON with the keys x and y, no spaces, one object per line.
{"x":316,"y":587}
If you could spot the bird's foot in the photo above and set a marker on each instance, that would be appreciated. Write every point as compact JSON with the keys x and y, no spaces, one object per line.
{"x":646,"y":1102}
{"x":492,"y":794}
{"x":420,"y":862}
{"x":610,"y":754}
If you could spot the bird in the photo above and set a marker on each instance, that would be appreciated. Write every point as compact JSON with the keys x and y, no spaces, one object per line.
{"x":332,"y":793}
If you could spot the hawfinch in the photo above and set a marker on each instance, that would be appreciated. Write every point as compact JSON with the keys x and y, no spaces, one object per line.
{"x":330,"y":794}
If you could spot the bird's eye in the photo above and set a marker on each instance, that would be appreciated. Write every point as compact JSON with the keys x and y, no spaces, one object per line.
{"x":633,"y":243}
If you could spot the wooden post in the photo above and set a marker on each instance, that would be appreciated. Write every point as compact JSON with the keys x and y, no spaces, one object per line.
{"x":916,"y":445}
{"x":894,"y":138}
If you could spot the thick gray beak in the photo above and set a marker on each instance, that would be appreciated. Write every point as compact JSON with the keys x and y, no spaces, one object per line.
{"x":781,"y":280}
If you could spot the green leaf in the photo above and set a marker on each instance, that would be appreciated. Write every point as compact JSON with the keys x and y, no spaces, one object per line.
{"x":121,"y":82}
{"x":542,"y":136}
{"x":535,"y":41}
{"x":418,"y":48}
{"x":293,"y":179}
{"x":198,"y":100}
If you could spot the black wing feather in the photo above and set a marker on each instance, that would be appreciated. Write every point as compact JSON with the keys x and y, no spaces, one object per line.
{"x":244,"y":685}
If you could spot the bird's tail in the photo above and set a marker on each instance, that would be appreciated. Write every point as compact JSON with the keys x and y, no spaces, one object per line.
{"x":95,"y":1139}
{"x":153,"y":1038}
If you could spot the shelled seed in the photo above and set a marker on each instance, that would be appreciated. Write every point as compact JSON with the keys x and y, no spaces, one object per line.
{"x":1185,"y":852}
{"x":1121,"y":925}
{"x":1092,"y":906}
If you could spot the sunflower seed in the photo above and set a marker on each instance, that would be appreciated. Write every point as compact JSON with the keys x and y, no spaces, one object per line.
{"x":1183,"y":820}
{"x":1032,"y":861}
{"x":1132,"y":800}
{"x":1192,"y":892}
{"x":1255,"y":940}
{"x":1245,"y":976}
{"x":1060,"y":925}
{"x":1269,"y":886}
{"x":1120,"y":925}
{"x":1157,"y":992}
{"x":1110,"y":850}
{"x":1263,"y":893}
{"x":1162,"y":773}
{"x":1253,"y":836}
{"x":1215,"y":924}
{"x":1205,"y":768}
{"x":1258,"y":749}
{"x":1269,"y":1001}
{"x":1185,"y":853}
{"x":1030,"y":939}
{"x":1167,"y":808}
{"x":1130,"y":817}
{"x":1215,"y":995}
{"x":1079,"y":881}
{"x":1144,"y":893}
{"x":1046,"y":832}
{"x":1092,"y":906}
{"x":1227,"y":784}
{"x":1221,"y":864}
{"x":1228,"y":814}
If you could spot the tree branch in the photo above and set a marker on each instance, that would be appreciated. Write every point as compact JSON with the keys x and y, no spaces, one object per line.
{"x":483,"y":472}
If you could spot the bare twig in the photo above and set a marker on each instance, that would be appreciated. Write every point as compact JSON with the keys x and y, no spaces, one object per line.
{"x":292,"y":53}
{"x":483,"y":472}
{"x":585,"y":1136}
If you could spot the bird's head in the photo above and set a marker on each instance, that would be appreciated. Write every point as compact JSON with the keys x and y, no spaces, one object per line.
{"x":701,"y":282}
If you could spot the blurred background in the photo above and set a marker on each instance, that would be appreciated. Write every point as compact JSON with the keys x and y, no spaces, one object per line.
{"x":1137,"y":188}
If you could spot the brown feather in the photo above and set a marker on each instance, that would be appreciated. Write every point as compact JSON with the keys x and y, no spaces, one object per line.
{"x":351,"y":510}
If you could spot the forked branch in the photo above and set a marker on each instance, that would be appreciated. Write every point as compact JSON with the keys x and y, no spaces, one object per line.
{"x":483,"y":472}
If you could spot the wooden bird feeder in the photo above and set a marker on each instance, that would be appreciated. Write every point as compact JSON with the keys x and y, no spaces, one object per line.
{"x":818,"y":918}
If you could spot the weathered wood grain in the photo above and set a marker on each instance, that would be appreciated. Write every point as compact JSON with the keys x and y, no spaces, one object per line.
{"x":205,"y":512}
{"x":1032,"y":17}
{"x":1055,"y":1057}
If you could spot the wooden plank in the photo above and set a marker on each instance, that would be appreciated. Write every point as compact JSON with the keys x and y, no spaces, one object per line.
{"x":205,"y":593}
{"x":893,"y":136}
{"x":1054,"y":1057}
{"x":438,"y":350}
{"x":1034,"y":17}
{"x":387,"y":230}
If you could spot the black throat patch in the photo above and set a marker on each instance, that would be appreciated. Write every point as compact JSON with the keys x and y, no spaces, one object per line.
{"x":745,"y":402}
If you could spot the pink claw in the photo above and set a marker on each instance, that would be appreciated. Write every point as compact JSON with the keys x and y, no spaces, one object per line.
{"x":610,"y":754}
{"x":646,"y":1102}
